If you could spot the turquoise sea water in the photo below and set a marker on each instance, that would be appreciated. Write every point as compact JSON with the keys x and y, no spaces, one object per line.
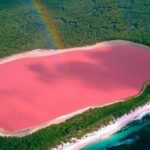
{"x":134,"y":136}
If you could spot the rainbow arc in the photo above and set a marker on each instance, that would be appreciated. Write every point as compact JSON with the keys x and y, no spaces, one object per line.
{"x":49,"y":24}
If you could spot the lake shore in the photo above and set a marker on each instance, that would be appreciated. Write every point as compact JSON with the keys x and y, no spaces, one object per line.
{"x":48,"y":52}
{"x":31,"y":130}
{"x":28,"y":131}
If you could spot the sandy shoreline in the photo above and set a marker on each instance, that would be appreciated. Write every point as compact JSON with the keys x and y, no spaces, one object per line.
{"x":30,"y":130}
{"x":48,"y":52}
{"x":104,"y":132}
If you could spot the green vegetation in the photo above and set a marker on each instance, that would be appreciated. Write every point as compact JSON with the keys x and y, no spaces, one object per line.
{"x":79,"y":22}
{"x":20,"y":27}
{"x":84,"y":22}
{"x":77,"y":126}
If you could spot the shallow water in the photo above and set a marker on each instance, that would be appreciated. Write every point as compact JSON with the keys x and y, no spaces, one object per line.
{"x":134,"y":136}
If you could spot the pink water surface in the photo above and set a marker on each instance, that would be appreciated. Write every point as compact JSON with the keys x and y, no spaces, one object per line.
{"x":36,"y":90}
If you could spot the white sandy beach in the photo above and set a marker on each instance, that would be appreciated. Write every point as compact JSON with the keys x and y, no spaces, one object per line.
{"x":104,"y":132}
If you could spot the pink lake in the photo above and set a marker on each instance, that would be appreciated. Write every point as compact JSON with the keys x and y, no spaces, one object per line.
{"x":36,"y":90}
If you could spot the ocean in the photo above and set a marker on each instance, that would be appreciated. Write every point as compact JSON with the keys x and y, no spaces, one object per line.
{"x":134,"y":136}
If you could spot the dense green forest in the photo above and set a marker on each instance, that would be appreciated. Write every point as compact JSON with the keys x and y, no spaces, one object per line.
{"x":77,"y":126}
{"x":19,"y":28}
{"x":79,"y":22}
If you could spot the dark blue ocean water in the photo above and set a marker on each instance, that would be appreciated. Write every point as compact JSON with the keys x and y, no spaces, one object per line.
{"x":134,"y":136}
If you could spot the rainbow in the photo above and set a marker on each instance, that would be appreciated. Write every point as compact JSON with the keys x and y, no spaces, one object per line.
{"x":49,"y":24}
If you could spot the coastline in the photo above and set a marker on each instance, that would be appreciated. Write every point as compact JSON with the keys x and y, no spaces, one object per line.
{"x":31,"y":130}
{"x":104,"y":132}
